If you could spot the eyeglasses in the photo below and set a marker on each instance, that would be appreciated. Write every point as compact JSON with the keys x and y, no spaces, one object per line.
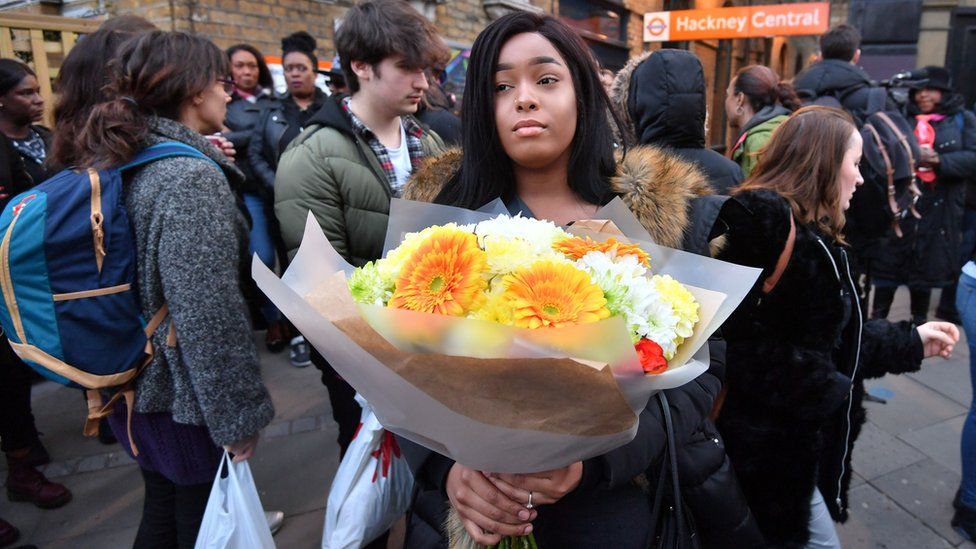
{"x":229,"y":85}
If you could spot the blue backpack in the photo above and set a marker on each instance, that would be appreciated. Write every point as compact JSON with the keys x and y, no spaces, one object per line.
{"x":70,"y":305}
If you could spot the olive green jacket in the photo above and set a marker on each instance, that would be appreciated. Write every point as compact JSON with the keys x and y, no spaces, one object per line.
{"x":331,"y":171}
{"x":757,"y":134}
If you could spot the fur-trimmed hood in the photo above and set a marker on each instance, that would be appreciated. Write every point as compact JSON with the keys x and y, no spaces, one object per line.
{"x":657,"y":185}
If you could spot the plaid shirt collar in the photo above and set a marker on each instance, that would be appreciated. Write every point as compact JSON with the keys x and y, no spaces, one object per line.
{"x":413,"y":132}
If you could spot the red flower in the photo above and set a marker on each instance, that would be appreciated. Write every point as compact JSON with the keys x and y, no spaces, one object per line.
{"x":651,"y":357}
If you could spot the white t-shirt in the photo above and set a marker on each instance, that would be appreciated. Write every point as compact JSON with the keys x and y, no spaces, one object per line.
{"x":400,"y":157}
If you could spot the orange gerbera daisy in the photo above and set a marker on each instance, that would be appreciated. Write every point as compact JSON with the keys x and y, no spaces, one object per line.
{"x":576,"y":247}
{"x":549,"y":294}
{"x":443,"y":275}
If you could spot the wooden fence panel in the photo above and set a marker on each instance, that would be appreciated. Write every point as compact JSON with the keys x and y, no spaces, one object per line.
{"x":42,"y":41}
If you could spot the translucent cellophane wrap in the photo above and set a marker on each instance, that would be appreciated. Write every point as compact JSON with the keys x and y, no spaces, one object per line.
{"x":494,"y":397}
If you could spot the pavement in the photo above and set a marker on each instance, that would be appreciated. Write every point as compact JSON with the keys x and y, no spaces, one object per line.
{"x":906,"y":462}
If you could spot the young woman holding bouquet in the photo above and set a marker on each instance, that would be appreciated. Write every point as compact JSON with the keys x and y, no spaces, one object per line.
{"x":798,"y":353}
{"x":537,"y":135}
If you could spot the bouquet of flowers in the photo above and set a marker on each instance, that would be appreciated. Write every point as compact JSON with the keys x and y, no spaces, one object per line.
{"x":504,"y":343}
{"x":532,"y":274}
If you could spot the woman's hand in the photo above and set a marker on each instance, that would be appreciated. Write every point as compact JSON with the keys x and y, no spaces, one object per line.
{"x":242,"y":449}
{"x":929,"y":157}
{"x":938,"y":338}
{"x":224,"y":145}
{"x":486,"y":512}
{"x":546,"y":488}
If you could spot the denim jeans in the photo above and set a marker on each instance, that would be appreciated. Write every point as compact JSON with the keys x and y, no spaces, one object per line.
{"x":966,"y":304}
{"x":261,"y":243}
{"x":823,"y":534}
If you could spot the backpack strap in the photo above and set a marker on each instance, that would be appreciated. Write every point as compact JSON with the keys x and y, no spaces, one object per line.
{"x":167,"y":149}
{"x":99,"y":408}
{"x":877,"y":99}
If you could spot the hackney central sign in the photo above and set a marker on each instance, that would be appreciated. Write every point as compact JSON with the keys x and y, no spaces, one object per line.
{"x":737,"y":22}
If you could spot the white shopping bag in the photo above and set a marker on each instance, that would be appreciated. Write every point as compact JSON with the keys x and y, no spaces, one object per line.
{"x":371,"y":489}
{"x":234,"y":518}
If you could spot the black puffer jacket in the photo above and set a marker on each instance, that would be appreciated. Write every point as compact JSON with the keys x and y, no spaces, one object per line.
{"x":928,"y":253}
{"x":841,"y":80}
{"x":671,"y":199}
{"x":241,"y":119}
{"x":661,"y":97}
{"x":796,"y":361}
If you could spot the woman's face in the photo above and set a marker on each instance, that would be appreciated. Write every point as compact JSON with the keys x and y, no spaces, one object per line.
{"x":244,"y":69}
{"x":299,"y":73}
{"x":927,"y":99}
{"x":211,"y":106}
{"x":23,"y":104}
{"x":849,"y":177}
{"x":732,"y":105}
{"x":535,"y":102}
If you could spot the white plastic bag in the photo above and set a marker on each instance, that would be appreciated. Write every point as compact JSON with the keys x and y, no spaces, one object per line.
{"x":234,"y":518}
{"x":371,"y":489}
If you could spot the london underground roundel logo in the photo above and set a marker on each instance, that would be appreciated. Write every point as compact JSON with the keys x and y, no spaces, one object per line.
{"x":656,"y":26}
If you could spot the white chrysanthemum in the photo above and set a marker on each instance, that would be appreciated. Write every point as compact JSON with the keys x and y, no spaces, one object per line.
{"x":505,"y":255}
{"x":633,"y":296}
{"x":539,"y":234}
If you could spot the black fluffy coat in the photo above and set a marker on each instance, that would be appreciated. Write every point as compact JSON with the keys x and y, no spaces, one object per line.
{"x":796,"y":360}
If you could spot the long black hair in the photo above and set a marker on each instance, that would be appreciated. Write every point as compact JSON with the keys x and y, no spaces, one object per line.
{"x":486,"y":171}
{"x":264,"y":73}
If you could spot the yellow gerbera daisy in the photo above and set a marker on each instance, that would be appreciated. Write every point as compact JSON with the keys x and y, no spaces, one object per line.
{"x":442,"y":275}
{"x":549,"y":294}
{"x":576,"y":247}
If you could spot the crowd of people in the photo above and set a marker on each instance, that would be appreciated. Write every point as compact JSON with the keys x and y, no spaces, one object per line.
{"x":764,"y":437}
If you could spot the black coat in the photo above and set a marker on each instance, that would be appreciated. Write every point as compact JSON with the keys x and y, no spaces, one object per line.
{"x":241,"y":119}
{"x":671,"y":199}
{"x":927,"y":255}
{"x":443,"y":122}
{"x":39,"y":171}
{"x":847,"y":83}
{"x":796,"y":360}
{"x":14,"y":178}
{"x":661,"y":97}
{"x":266,"y":144}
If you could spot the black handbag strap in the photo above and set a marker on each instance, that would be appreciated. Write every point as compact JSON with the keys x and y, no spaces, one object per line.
{"x":672,"y":459}
{"x":675,"y":516}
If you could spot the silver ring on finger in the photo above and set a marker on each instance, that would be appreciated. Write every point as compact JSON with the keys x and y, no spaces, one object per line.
{"x":529,"y":505}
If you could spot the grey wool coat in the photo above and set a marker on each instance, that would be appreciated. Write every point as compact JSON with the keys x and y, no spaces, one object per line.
{"x":191,"y":239}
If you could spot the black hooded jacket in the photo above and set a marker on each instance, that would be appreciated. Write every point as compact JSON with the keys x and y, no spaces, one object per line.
{"x":661,"y":97}
{"x":841,"y":80}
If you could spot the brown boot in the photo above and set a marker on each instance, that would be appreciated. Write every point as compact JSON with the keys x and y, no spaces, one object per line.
{"x":8,"y":534}
{"x":25,"y":483}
